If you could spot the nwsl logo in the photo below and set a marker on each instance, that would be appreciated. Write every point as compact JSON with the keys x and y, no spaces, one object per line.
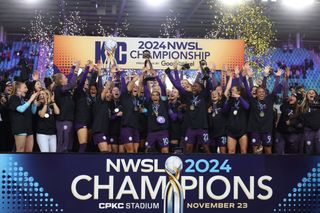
{"x":120,"y":52}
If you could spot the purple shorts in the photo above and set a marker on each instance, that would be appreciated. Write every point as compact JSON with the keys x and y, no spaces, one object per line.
{"x":257,"y":138}
{"x":196,"y":136}
{"x":220,"y":141}
{"x":99,"y":138}
{"x":79,"y":126}
{"x":115,"y":140}
{"x":160,"y":137}
{"x":129,"y":135}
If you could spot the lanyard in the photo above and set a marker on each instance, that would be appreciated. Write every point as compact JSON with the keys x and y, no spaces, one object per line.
{"x":261,"y":106}
{"x":155,"y":108}
{"x":195,"y":100}
{"x":236,"y":104}
{"x":135,"y":102}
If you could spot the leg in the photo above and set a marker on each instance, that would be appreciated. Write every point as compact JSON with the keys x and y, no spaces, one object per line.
{"x":293,"y":143}
{"x":29,"y":143}
{"x":20,"y":141}
{"x":223,"y":149}
{"x":165,"y":150}
{"x":129,"y":147}
{"x":189,"y":148}
{"x":83,"y":139}
{"x":103,"y":146}
{"x":43,"y":142}
{"x":173,"y":145}
{"x":136,"y":147}
{"x":53,"y":143}
{"x":231,"y":144}
{"x":60,"y":132}
{"x":190,"y":140}
{"x":317,"y":141}
{"x":127,"y":139}
{"x":136,"y":140}
{"x":243,"y":141}
{"x":279,"y":144}
{"x":267,"y":142}
{"x":121,"y":148}
{"x":206,"y":148}
{"x":255,"y":141}
{"x":308,"y":141}
{"x":204,"y":140}
{"x":114,"y":144}
{"x":222,"y":144}
{"x":114,"y":148}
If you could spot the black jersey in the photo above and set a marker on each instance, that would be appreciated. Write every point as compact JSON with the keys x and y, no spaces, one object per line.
{"x":83,"y":109}
{"x":101,"y":116}
{"x":20,"y":122}
{"x":130,"y":117}
{"x":64,"y":100}
{"x":218,"y":119}
{"x":196,"y":110}
{"x":237,"y":118}
{"x":157,"y":114}
{"x":115,"y":121}
{"x":261,"y":114}
{"x":46,"y":125}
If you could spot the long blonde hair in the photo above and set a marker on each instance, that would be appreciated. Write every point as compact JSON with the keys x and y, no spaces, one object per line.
{"x":304,"y":106}
{"x":15,"y":86}
{"x":57,"y":79}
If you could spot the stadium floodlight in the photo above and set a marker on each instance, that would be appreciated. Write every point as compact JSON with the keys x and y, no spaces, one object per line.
{"x":156,"y":3}
{"x":297,"y":4}
{"x":32,"y":1}
{"x":232,"y":2}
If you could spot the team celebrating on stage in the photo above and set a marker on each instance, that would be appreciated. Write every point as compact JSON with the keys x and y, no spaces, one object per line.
{"x":142,"y":113}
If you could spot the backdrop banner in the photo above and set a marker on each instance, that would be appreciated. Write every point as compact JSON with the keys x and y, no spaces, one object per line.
{"x":158,"y":183}
{"x":128,"y":52}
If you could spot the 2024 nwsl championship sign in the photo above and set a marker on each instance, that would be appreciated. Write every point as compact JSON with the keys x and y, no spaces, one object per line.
{"x":158,"y":183}
{"x":127,"y":53}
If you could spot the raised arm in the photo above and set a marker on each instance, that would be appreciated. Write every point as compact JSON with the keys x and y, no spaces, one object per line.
{"x":244,"y":103}
{"x":276,"y":82}
{"x":73,"y":81}
{"x":247,"y":87}
{"x":162,"y":86}
{"x":83,"y":79}
{"x":285,"y":88}
{"x":175,"y":82}
{"x":229,"y":84}
{"x":132,"y":83}
{"x":266,"y":73}
{"x":123,"y":87}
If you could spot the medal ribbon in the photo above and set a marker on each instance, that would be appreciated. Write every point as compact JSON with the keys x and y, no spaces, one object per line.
{"x":155,"y":108}
{"x":195,"y":100}
{"x":261,"y":106}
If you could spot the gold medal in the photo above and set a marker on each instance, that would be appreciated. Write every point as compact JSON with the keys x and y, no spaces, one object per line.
{"x":192,"y":107}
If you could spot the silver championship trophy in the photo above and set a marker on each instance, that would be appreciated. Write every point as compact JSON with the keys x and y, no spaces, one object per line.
{"x":173,"y":193}
{"x":148,"y":66}
{"x":110,"y":47}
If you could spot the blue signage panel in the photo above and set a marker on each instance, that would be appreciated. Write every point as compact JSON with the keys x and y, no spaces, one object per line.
{"x":158,"y":183}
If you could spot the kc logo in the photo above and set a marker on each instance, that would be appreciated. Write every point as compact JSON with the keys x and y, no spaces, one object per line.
{"x":120,"y":53}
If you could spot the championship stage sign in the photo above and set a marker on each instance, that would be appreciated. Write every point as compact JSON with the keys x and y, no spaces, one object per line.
{"x":159,"y":183}
{"x":128,"y":52}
